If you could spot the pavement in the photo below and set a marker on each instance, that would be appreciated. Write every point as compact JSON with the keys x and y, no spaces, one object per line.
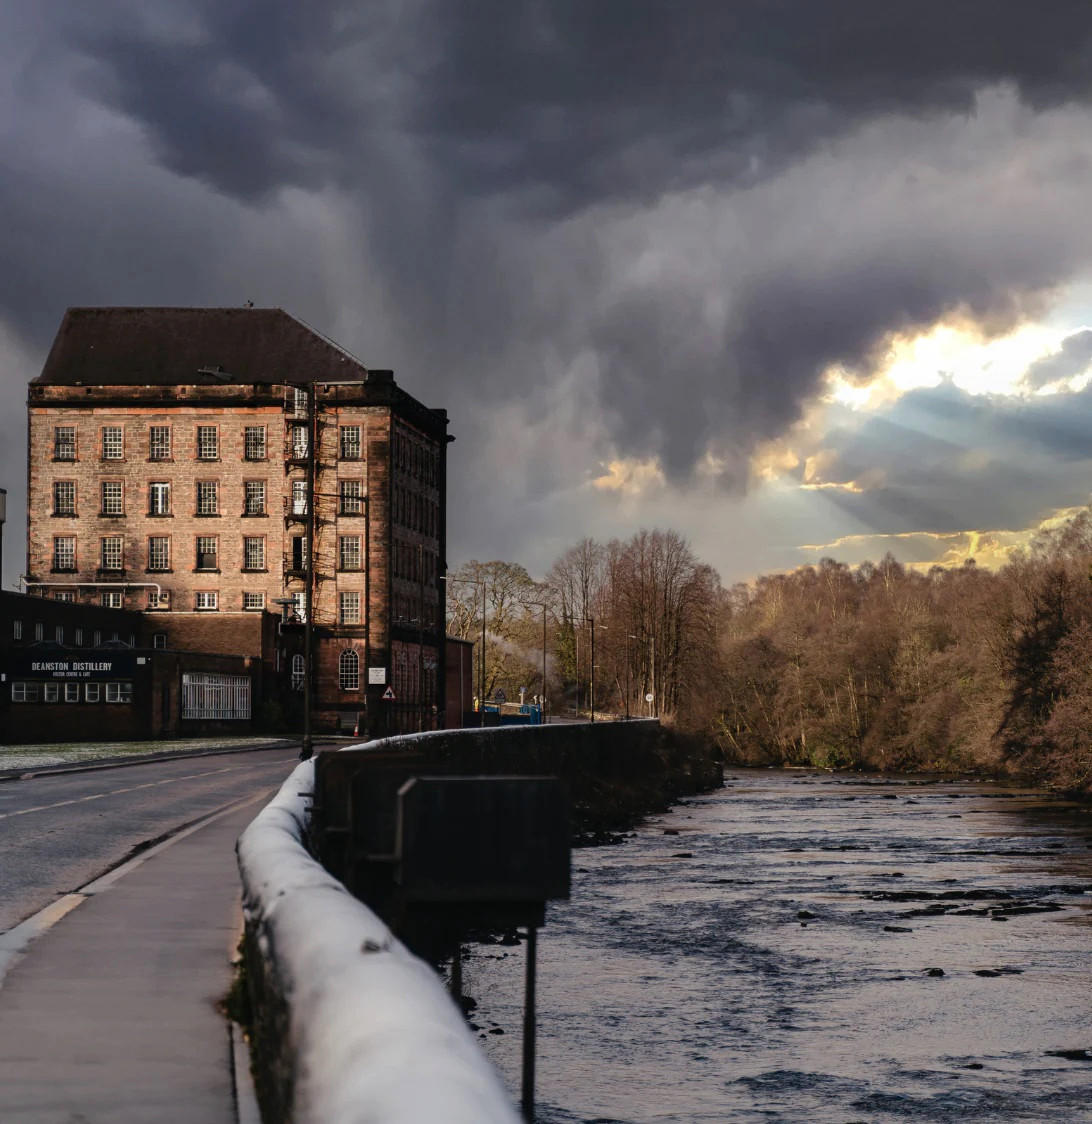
{"x":109,"y":1015}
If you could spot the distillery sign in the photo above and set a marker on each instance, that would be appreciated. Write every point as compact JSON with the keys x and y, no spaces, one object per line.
{"x":97,"y":665}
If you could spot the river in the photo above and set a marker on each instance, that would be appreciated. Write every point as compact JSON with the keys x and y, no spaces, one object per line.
{"x":809,"y":947}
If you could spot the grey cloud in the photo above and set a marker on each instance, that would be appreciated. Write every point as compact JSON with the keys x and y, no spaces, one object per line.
{"x":1072,"y":358}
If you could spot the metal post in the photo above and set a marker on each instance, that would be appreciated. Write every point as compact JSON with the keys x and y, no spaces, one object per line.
{"x":528,"y":1100}
{"x":307,"y":747}
{"x":544,"y":663}
{"x":592,"y":622}
{"x":481,"y":678}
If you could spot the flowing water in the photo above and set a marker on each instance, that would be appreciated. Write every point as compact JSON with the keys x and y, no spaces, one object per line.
{"x":811,"y":947}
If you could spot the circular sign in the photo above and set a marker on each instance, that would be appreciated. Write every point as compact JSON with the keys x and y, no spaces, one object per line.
{"x":649,"y":697}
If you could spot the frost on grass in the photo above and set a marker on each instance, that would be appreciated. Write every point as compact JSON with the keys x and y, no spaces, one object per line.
{"x":376,"y":1037}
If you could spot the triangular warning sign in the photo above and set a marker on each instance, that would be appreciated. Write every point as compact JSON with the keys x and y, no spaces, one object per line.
{"x":389,"y":693}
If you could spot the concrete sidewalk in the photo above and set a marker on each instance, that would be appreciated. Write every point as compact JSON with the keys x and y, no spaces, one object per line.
{"x":111,"y":1016}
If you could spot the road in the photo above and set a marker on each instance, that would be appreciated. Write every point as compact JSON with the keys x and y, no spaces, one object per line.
{"x":57,"y":832}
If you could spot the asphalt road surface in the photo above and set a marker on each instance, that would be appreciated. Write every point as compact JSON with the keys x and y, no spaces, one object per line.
{"x":58,"y":832}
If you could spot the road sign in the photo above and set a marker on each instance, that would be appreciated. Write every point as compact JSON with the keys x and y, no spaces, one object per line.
{"x":650,"y":697}
{"x":388,"y":694}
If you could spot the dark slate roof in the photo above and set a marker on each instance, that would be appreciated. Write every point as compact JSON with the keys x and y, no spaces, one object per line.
{"x":168,"y":346}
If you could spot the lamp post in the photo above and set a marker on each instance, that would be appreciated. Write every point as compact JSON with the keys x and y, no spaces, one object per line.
{"x":481,"y":660}
{"x":591,"y":688}
{"x":629,"y":637}
{"x":542,"y":606}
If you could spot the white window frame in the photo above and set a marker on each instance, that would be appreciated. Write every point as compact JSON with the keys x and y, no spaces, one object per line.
{"x":159,"y":545}
{"x":64,"y":442}
{"x":120,"y":691}
{"x":300,"y":442}
{"x":159,"y":497}
{"x":254,"y":443}
{"x":51,"y":692}
{"x":72,"y":692}
{"x":113,"y":443}
{"x":111,"y":549}
{"x":64,"y":497}
{"x":348,"y":670}
{"x":92,"y":692}
{"x":203,"y":554}
{"x":159,"y":442}
{"x":298,"y":671}
{"x":206,"y":600}
{"x":111,"y":599}
{"x":253,"y":497}
{"x":24,"y":692}
{"x":207,"y":443}
{"x":58,"y":633}
{"x":351,"y":497}
{"x":17,"y":630}
{"x":253,"y":553}
{"x":299,"y":606}
{"x":159,"y":641}
{"x":208,"y":497}
{"x":348,"y":607}
{"x":349,"y":555}
{"x":299,"y":497}
{"x":253,"y":602}
{"x":64,"y":553}
{"x":112,"y":497}
{"x":350,"y":443}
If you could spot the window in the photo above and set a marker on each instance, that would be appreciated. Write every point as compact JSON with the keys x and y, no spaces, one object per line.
{"x":159,"y":640}
{"x":112,"y":599}
{"x":91,"y":692}
{"x":65,"y":595}
{"x":208,"y":445}
{"x":348,"y":552}
{"x":51,"y":692}
{"x":159,"y":553}
{"x":111,"y":552}
{"x":159,"y":498}
{"x":253,"y":601}
{"x":299,"y":606}
{"x":112,"y":445}
{"x":98,"y":638}
{"x":160,"y":600}
{"x":299,"y":553}
{"x":297,"y":672}
{"x":64,"y":497}
{"x":207,"y":497}
{"x":64,"y":442}
{"x":58,"y":633}
{"x":348,"y":670}
{"x":299,"y":497}
{"x":39,"y":630}
{"x":79,"y":637}
{"x":253,"y":553}
{"x":299,"y":442}
{"x":112,"y":502}
{"x":299,"y":402}
{"x":254,"y":497}
{"x":132,"y":640}
{"x":159,"y":443}
{"x":254,"y":442}
{"x":64,"y":552}
{"x":72,"y":692}
{"x":212,"y":695}
{"x":119,"y":692}
{"x":206,"y":552}
{"x":17,"y":630}
{"x":205,"y":599}
{"x":350,"y":442}
{"x":351,"y":496}
{"x":24,"y":692}
{"x":348,"y":608}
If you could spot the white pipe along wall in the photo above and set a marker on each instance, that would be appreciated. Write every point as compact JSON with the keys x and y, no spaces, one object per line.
{"x":375,"y":1038}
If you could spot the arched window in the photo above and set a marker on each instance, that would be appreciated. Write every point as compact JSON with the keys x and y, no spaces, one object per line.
{"x":297,"y":672}
{"x":348,"y":670}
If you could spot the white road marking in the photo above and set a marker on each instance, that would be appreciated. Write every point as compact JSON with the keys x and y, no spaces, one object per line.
{"x":122,"y":791}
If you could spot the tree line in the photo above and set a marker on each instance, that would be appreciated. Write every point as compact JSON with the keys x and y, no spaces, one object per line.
{"x":878,"y":666}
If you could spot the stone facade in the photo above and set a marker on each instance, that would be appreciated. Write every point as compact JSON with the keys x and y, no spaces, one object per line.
{"x":191,"y":488}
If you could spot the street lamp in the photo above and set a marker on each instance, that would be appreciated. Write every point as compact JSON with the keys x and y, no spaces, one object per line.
{"x":629,"y":637}
{"x":542,"y":606}
{"x":591,"y":621}
{"x":481,"y":661}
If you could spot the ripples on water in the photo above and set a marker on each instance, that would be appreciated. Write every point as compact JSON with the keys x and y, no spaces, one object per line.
{"x":771,"y":961}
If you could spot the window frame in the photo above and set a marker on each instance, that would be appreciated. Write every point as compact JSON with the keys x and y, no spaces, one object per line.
{"x":159,"y":450}
{"x":255,"y":544}
{"x":211,"y":598}
{"x":348,"y":607}
{"x":70,"y":493}
{"x":72,"y":566}
{"x":156,"y":542}
{"x":159,"y":497}
{"x":254,"y":497}
{"x":207,"y":437}
{"x":348,"y":502}
{"x":348,"y":670}
{"x":350,"y":442}
{"x":203,"y":491}
{"x":345,"y":550}
{"x":110,"y":433}
{"x":107,"y":543}
{"x":256,"y":449}
{"x":111,"y":497}
{"x":205,"y":553}
{"x":60,"y":446}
